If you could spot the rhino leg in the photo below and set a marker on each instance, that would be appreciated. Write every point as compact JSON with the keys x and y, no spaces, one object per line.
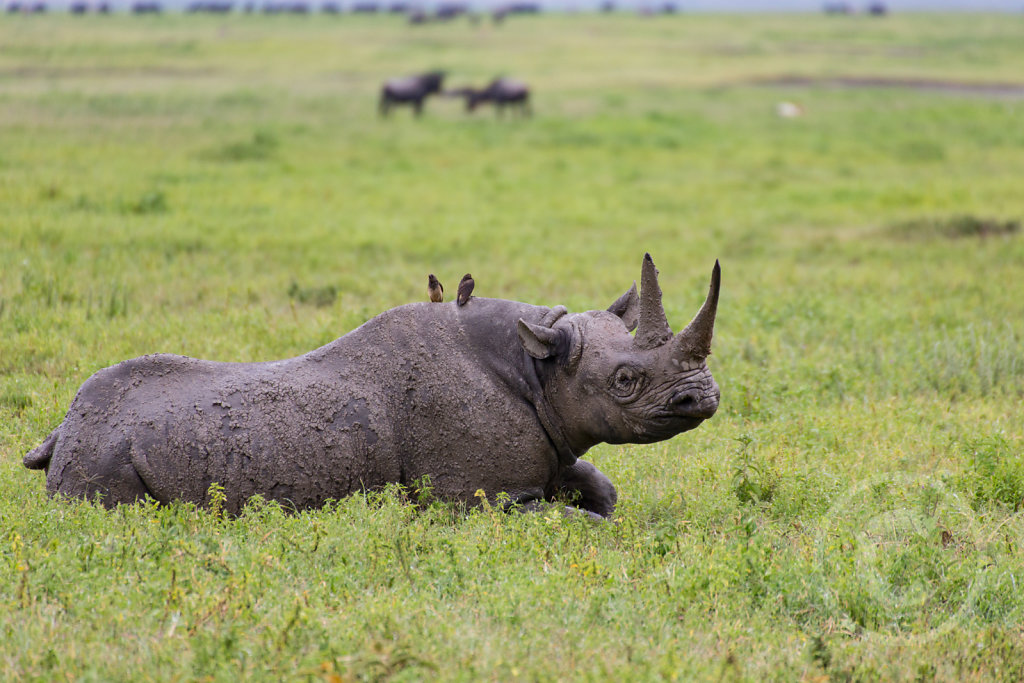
{"x":593,"y":491}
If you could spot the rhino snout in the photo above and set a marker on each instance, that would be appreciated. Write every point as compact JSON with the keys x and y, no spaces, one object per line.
{"x":699,"y":402}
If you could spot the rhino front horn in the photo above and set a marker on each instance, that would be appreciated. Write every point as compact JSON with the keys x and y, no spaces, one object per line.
{"x":653,"y":329}
{"x":695,"y":340}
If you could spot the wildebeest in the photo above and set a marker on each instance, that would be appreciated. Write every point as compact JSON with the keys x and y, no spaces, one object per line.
{"x":499,"y":13}
{"x":209,"y":6}
{"x":285,"y":8}
{"x":26,"y":8}
{"x":501,"y":92}
{"x":520,"y":8}
{"x":412,"y":90}
{"x":146,"y":7}
{"x":450,"y":10}
{"x":838,"y":8}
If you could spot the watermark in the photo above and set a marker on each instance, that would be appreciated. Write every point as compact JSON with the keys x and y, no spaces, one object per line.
{"x":904,"y":556}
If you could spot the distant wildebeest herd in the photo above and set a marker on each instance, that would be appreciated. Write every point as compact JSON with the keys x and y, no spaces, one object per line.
{"x":413,"y":91}
{"x":415,"y":12}
{"x":875,"y":9}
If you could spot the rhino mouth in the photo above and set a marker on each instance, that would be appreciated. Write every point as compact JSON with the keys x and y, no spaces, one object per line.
{"x":677,"y":423}
{"x":663,"y":426}
{"x":659,"y":428}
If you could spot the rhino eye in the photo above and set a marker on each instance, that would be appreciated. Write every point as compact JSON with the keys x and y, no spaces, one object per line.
{"x":625,"y":381}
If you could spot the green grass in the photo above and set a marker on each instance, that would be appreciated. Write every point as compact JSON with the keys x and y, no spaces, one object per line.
{"x":222,"y":188}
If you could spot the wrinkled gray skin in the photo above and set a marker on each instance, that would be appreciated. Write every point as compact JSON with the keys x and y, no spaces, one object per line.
{"x":495,"y":395}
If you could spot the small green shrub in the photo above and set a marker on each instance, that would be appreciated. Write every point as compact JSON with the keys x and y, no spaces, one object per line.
{"x":316,"y":296}
{"x":994,"y":472}
{"x":954,"y":227}
{"x":15,"y":399}
{"x":260,"y":147}
{"x":154,"y":201}
{"x":753,"y":481}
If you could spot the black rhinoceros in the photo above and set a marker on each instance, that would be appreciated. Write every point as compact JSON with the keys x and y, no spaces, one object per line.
{"x":494,"y":395}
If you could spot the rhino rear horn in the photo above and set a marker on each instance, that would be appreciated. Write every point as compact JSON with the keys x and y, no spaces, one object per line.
{"x":695,"y":340}
{"x":627,"y":307}
{"x":653,"y":329}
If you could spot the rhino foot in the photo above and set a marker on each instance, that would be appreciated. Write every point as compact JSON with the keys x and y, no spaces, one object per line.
{"x":566,"y":510}
{"x":589,"y":489}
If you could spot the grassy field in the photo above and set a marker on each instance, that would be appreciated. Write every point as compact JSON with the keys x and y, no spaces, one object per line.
{"x":222,"y":188}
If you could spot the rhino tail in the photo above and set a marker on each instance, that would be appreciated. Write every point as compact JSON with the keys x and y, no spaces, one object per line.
{"x":39,"y":457}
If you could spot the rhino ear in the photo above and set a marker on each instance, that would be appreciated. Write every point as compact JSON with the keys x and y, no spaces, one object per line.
{"x":540,"y":342}
{"x":627,"y":307}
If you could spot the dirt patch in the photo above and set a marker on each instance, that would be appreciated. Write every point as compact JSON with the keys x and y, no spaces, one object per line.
{"x":953,"y":227}
{"x":998,"y":90}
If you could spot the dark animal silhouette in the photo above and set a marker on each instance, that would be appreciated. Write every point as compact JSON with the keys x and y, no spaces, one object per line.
{"x":500,"y":396}
{"x":209,"y":7}
{"x":411,"y":90}
{"x":499,"y":13}
{"x":501,"y":92}
{"x":435,"y":289}
{"x":146,"y":7}
{"x":466,"y":286}
{"x":837,"y":8}
{"x":450,"y":10}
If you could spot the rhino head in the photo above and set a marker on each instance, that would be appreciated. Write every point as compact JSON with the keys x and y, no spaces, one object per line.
{"x":608,"y":386}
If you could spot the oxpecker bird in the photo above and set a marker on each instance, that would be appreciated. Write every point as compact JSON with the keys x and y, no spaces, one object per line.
{"x":435,"y":289}
{"x":465,"y":289}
